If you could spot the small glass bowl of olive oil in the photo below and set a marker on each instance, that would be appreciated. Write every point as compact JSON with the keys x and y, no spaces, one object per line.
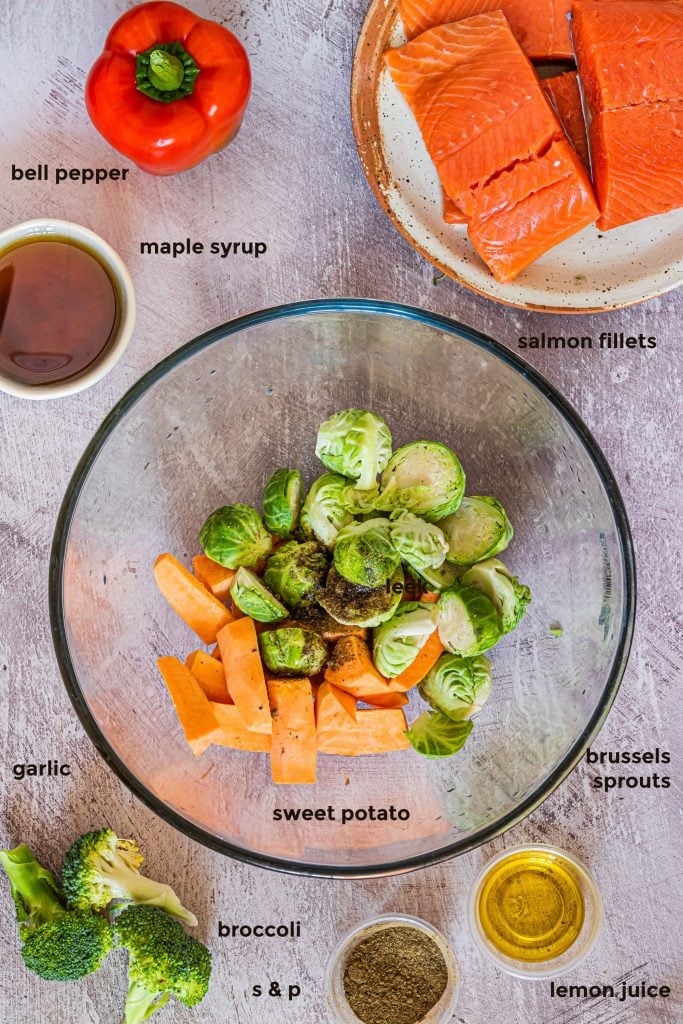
{"x":535,"y":911}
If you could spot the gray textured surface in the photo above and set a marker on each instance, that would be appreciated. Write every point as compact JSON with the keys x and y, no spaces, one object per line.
{"x":292,"y":179}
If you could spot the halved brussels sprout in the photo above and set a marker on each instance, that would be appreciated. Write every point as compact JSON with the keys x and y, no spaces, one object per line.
{"x":282,"y":499}
{"x":510,"y":597}
{"x":293,"y":652}
{"x":354,"y":605}
{"x":396,"y":643}
{"x":364,"y":554}
{"x":422,"y":545}
{"x":355,"y":443}
{"x":458,"y":687}
{"x":435,"y":735}
{"x":296,"y":572}
{"x":425,"y":478}
{"x":468,"y":622}
{"x":234,"y":535}
{"x":442,"y":578}
{"x":478,"y":530}
{"x":252,"y":598}
{"x":323,"y":514}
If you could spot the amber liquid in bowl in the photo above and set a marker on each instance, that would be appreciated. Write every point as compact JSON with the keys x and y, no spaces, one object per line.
{"x":59,"y":309}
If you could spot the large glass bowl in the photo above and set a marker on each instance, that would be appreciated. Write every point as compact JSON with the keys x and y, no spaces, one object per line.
{"x":207,"y":427}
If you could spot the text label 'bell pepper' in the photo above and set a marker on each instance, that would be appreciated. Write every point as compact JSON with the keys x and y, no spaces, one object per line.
{"x":170,"y":89}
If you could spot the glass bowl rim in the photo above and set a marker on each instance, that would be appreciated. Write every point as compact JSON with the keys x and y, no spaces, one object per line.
{"x":223,"y":332}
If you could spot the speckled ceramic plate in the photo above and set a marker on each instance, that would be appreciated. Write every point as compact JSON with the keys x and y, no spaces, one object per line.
{"x":590,"y":272}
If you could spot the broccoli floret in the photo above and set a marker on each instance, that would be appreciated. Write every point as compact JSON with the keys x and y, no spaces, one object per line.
{"x":100,"y":868}
{"x":59,"y":945}
{"x":164,"y":961}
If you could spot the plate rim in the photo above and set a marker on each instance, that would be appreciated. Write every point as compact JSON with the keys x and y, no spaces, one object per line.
{"x":364,"y":105}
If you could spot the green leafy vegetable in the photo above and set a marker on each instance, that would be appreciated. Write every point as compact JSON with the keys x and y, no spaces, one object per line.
{"x":357,"y":502}
{"x":291,"y":651}
{"x":356,"y":444}
{"x":296,"y":572}
{"x":164,"y":961}
{"x":355,"y":605}
{"x":458,"y":687}
{"x":234,"y":535}
{"x":425,"y":478}
{"x":252,"y":598}
{"x":58,"y":944}
{"x":468,"y":623}
{"x":510,"y":597}
{"x":100,"y":867}
{"x":422,"y":545}
{"x":396,"y":642}
{"x":442,"y":578}
{"x":479,"y":529}
{"x":435,"y":735}
{"x":364,"y":554}
{"x":282,"y":499}
{"x":323,"y":513}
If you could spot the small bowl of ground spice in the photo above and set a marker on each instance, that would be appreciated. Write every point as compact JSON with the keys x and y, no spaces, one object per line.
{"x":394,"y":969}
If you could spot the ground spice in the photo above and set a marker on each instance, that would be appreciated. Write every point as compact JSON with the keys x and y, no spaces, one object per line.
{"x":395,"y":976}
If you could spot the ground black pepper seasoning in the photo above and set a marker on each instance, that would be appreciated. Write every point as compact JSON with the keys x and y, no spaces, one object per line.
{"x":395,"y":976}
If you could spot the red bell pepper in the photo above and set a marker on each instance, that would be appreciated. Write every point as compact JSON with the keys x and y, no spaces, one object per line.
{"x":170,"y":88}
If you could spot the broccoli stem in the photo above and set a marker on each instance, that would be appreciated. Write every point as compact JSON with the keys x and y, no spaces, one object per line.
{"x":34,"y":889}
{"x":127,"y":884}
{"x":141,"y":1003}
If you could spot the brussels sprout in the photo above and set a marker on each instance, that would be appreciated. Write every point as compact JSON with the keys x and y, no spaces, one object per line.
{"x":510,"y":597}
{"x":282,"y":499}
{"x":234,"y":535}
{"x":422,"y":545}
{"x":292,"y":651}
{"x":364,"y":554}
{"x":356,"y":444}
{"x":478,"y":530}
{"x":458,"y":687}
{"x":435,"y":735}
{"x":442,"y":578}
{"x":396,"y":643}
{"x":354,"y":605}
{"x":424,"y":477}
{"x":296,"y":572}
{"x":468,"y":621}
{"x":322,"y":514}
{"x":252,"y":598}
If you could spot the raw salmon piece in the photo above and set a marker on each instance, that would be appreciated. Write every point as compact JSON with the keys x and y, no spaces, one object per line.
{"x":565,"y":96}
{"x":629,"y":51}
{"x":529,"y":209}
{"x":498,"y":147}
{"x":540,"y":26}
{"x":475,"y":97}
{"x":637,"y":155}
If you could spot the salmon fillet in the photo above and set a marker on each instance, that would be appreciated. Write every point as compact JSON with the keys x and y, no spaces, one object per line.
{"x":540,"y":26}
{"x":498,"y":147}
{"x":637,"y":155}
{"x":629,"y":52}
{"x":565,"y":96}
{"x":630,"y":59}
{"x":452,"y":214}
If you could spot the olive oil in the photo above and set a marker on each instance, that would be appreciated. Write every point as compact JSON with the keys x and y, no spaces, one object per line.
{"x":531,"y":907}
{"x":59,"y":309}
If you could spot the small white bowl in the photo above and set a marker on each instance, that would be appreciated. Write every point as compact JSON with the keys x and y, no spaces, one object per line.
{"x":337,"y":1003}
{"x":580,"y":948}
{"x":125,"y":294}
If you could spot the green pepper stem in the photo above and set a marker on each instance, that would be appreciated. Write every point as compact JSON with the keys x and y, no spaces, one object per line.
{"x":166,"y":72}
